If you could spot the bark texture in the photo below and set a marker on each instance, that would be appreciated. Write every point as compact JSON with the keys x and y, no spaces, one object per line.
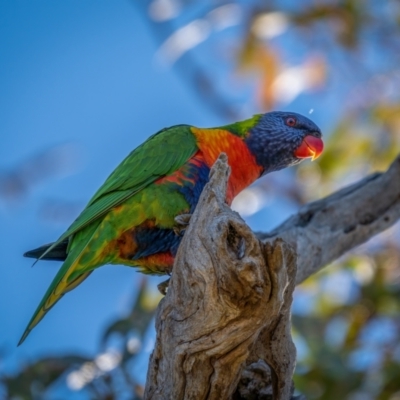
{"x":227,"y":292}
{"x":223,"y":329}
{"x":324,"y":230}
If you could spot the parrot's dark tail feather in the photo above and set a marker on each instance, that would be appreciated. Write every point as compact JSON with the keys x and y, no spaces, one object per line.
{"x":59,"y":252}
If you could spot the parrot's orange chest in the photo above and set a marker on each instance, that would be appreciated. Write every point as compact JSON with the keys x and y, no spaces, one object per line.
{"x":244,"y":168}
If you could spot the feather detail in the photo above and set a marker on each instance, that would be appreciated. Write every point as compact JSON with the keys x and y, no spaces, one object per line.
{"x":244,"y":168}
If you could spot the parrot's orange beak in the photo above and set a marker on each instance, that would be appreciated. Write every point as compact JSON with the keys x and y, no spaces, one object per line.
{"x":311,"y":146}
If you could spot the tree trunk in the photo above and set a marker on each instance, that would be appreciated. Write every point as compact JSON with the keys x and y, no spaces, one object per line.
{"x":223,"y":329}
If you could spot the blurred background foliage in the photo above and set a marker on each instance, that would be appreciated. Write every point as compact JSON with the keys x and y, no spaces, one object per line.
{"x":242,"y":57}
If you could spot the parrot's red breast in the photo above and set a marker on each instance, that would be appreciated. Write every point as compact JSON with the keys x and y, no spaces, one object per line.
{"x":244,"y":168}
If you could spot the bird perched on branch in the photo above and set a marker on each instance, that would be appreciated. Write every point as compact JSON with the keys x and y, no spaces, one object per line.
{"x":131,"y":219}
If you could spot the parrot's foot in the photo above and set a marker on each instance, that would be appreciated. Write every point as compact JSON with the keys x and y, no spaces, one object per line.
{"x":163,"y":286}
{"x":182,"y":223}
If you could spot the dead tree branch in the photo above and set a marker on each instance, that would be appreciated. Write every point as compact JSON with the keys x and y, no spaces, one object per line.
{"x":226,"y":291}
{"x":223,"y":329}
{"x":326,"y":229}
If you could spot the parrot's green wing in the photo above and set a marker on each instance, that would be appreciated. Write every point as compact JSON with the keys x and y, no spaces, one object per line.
{"x":163,"y":153}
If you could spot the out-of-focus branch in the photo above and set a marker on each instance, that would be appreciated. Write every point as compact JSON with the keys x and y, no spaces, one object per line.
{"x":199,"y":79}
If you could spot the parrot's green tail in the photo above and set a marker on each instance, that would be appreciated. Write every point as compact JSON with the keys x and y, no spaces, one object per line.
{"x":70,"y":275}
{"x":50,"y":299}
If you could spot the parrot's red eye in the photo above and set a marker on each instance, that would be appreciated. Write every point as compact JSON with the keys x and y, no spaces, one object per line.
{"x":291,"y":121}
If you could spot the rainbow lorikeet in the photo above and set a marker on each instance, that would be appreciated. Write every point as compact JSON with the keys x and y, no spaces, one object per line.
{"x":131,"y":219}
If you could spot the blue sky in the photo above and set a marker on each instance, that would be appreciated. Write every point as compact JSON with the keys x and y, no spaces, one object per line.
{"x":78,"y":76}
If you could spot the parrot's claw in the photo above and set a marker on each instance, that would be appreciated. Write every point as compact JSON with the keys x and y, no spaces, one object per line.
{"x":182,"y":223}
{"x":163,"y":286}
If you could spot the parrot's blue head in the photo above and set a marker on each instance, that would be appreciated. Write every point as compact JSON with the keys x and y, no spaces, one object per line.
{"x":281,"y":139}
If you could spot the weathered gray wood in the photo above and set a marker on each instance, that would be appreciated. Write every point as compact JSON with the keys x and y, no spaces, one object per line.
{"x":225,"y":322}
{"x":324,"y":230}
{"x":274,"y":344}
{"x":227,"y":291}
